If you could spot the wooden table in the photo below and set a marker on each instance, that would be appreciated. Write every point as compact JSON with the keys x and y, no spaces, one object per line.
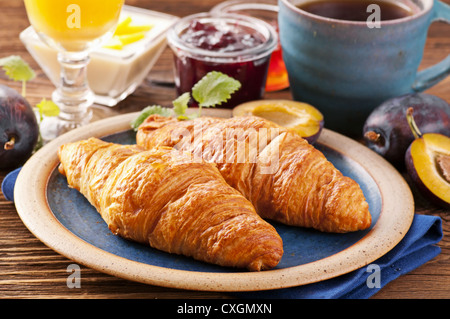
{"x":28,"y":269}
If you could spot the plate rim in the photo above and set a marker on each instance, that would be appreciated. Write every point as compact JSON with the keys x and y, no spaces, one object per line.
{"x":397,"y":212}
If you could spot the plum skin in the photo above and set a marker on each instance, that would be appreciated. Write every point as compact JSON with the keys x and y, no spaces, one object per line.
{"x":432,"y":115}
{"x":18,"y":123}
{"x":312,"y":139}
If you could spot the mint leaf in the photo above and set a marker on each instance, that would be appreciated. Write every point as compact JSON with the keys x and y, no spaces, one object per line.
{"x":180,"y":105}
{"x":17,"y":70}
{"x":214,"y":89}
{"x":191,"y":116}
{"x":47,"y":108}
{"x":149,"y":110}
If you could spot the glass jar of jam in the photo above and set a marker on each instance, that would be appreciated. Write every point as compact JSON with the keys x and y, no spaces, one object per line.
{"x":267,"y":10}
{"x":237,"y":45}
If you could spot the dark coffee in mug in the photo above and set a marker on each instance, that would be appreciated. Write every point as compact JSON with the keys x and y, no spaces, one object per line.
{"x":356,"y":10}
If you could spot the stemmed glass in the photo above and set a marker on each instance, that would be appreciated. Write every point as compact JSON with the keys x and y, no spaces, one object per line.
{"x":74,"y":28}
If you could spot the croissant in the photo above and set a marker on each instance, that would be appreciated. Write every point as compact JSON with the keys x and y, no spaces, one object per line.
{"x":284,"y":177}
{"x":161,"y":198}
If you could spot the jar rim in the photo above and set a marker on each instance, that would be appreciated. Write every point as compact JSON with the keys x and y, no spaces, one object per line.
{"x":254,"y":53}
{"x":241,"y":5}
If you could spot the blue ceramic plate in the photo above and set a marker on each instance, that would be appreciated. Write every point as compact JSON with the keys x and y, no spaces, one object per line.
{"x":309,"y":255}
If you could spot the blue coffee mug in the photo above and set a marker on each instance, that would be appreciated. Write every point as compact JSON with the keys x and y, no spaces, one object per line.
{"x":346,"y":69}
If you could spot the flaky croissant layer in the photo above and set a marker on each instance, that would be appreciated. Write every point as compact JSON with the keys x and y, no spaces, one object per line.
{"x":285,"y":178}
{"x":161,"y":198}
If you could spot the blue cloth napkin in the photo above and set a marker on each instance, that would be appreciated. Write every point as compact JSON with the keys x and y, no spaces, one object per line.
{"x":8,"y":184}
{"x":415,"y":249}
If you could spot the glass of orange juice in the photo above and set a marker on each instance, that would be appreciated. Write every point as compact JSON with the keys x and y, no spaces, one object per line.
{"x":74,"y":28}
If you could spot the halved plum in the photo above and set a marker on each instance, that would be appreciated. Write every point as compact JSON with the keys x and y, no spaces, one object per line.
{"x":428,"y":164}
{"x":386,"y":130}
{"x":303,"y":118}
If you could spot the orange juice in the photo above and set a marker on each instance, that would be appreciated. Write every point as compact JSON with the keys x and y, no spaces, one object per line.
{"x":73,"y":24}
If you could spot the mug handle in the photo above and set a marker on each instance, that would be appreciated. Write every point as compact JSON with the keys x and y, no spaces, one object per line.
{"x":436,"y":73}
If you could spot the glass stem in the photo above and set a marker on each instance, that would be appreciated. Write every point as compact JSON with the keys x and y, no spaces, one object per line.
{"x":73,"y":96}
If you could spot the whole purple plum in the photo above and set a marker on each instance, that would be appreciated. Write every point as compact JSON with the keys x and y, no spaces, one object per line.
{"x":387,"y":132}
{"x":19,"y":130}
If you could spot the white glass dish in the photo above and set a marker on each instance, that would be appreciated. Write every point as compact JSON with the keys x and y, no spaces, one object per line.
{"x":112,"y":74}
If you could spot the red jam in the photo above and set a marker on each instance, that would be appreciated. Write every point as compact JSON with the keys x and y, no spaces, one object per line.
{"x":208,"y":37}
{"x":228,"y":40}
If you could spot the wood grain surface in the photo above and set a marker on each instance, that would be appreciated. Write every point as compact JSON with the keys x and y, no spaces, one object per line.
{"x":29,"y":269}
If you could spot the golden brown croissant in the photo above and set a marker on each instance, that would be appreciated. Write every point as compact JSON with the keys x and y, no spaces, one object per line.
{"x":286,"y":178}
{"x":160,"y":198}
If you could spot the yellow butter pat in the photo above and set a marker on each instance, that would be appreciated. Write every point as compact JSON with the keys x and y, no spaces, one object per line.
{"x":114,"y":43}
{"x":131,"y":38}
{"x":123,"y":25}
{"x":130,"y":29}
{"x":126,"y":33}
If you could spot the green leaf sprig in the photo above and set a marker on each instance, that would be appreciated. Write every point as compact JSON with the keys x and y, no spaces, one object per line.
{"x":47,"y":108}
{"x":212,"y":90}
{"x":17,"y":70}
{"x":149,"y":110}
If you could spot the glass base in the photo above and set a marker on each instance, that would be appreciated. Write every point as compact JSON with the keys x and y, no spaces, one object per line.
{"x":52,"y":127}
